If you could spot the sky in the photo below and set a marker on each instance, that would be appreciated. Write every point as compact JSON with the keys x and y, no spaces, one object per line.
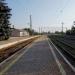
{"x":46,"y":14}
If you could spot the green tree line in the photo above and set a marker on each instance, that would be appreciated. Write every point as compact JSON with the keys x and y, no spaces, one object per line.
{"x":4,"y":20}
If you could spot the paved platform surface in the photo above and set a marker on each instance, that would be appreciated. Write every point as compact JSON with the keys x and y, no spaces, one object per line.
{"x":39,"y":58}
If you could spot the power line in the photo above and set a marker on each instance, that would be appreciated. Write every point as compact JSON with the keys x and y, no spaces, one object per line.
{"x":67,"y":2}
{"x":62,"y":9}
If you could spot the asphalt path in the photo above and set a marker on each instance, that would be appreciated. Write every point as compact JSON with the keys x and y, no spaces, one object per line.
{"x":39,"y":58}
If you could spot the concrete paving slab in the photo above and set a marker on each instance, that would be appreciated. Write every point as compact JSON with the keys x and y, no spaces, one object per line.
{"x":38,"y":60}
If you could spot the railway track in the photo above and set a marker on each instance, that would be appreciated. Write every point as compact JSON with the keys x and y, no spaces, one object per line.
{"x":64,"y":46}
{"x":10,"y":49}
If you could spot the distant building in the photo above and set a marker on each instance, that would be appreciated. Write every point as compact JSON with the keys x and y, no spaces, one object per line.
{"x":19,"y":33}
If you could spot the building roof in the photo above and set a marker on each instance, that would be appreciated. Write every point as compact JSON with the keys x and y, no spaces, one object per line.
{"x":19,"y":30}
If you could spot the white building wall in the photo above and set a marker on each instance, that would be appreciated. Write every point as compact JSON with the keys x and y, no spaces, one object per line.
{"x":21,"y":34}
{"x":24,"y":34}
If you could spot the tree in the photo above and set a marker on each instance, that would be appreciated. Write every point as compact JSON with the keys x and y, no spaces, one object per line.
{"x":58,"y":32}
{"x":68,"y":32}
{"x":31,"y":32}
{"x":73,"y":30}
{"x":4,"y":20}
{"x":28,"y":30}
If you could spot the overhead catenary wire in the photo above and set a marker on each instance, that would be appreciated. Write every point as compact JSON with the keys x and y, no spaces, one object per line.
{"x":66,"y":4}
{"x":61,"y":11}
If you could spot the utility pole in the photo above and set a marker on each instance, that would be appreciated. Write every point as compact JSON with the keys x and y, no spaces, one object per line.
{"x":62,"y":27}
{"x":30,"y":22}
{"x":66,"y":28}
{"x":13,"y":27}
{"x":39,"y":29}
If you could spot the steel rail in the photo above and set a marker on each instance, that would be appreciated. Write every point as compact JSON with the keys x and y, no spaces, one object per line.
{"x":60,"y":45}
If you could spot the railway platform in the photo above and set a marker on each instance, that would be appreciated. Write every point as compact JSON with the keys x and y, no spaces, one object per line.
{"x":11,"y":39}
{"x":38,"y":58}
